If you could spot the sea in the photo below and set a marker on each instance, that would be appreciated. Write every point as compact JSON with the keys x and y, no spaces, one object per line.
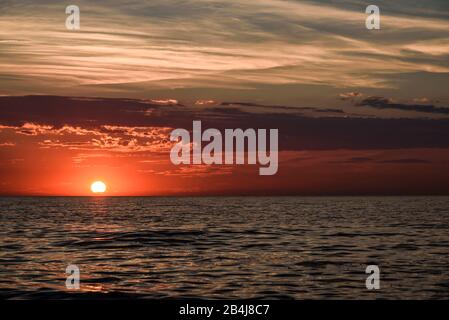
{"x":224,"y":247}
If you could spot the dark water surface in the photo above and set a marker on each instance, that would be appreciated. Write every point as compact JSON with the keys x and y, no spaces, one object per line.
{"x":243,"y":247}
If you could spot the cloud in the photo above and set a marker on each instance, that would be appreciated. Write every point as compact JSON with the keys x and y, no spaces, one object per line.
{"x":422,"y":100}
{"x":361,"y":160}
{"x":350,"y":96}
{"x":386,"y":103}
{"x":138,"y":46}
{"x":68,"y":127}
{"x":203,"y":102}
{"x":111,"y":144}
{"x":7,"y":144}
{"x":124,"y":125}
{"x":357,"y":160}
{"x":406,"y":161}
{"x":165,"y":102}
{"x":197,"y":171}
{"x":248,"y":106}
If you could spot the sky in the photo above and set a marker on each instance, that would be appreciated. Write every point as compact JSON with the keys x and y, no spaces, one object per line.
{"x":358,"y":111}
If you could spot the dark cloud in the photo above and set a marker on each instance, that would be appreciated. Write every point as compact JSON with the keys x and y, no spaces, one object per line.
{"x":329,"y":110}
{"x":405,"y":161}
{"x":355,"y":160}
{"x":350,"y":96}
{"x":296,"y":131}
{"x":385,"y":103}
{"x":280,"y":107}
{"x":262,"y":106}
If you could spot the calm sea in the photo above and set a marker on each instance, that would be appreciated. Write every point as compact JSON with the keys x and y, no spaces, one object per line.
{"x":242,"y":247}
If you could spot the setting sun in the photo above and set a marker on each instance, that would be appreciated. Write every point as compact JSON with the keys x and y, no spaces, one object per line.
{"x":98,"y":187}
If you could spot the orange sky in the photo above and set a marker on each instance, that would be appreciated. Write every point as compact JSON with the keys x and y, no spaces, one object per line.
{"x":59,"y":172}
{"x":52,"y":158}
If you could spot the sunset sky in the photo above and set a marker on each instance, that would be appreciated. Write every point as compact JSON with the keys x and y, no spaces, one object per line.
{"x":358,"y":111}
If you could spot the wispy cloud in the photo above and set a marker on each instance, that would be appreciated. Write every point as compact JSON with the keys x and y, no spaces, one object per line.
{"x":228,"y":44}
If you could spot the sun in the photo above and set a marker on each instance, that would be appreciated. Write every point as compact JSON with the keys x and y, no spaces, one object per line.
{"x":98,"y":187}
